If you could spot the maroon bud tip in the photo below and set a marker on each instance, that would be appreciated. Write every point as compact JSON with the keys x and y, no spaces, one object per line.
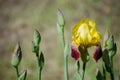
{"x":98,"y":53}
{"x":74,"y":53}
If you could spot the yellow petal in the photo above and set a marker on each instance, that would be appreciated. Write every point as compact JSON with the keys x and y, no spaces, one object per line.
{"x":84,"y":33}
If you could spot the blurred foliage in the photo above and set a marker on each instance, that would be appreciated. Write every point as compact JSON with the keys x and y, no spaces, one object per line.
{"x":19,"y":18}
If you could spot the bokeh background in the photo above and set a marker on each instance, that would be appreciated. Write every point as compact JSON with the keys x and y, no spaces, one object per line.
{"x":19,"y":19}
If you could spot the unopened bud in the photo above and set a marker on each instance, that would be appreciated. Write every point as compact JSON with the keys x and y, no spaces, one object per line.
{"x":74,"y":53}
{"x":23,"y":75}
{"x":61,"y":20}
{"x":111,"y":46}
{"x":16,"y":57}
{"x":37,"y":37}
{"x":110,"y":42}
{"x":98,"y":53}
{"x":106,"y":36}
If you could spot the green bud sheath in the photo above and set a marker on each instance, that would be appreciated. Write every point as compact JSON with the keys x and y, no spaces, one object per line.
{"x":35,"y":48}
{"x":36,"y":37}
{"x":16,"y":58}
{"x":23,"y":75}
{"x":113,"y":51}
{"x":111,"y":46}
{"x":41,"y":58}
{"x":99,"y":75}
{"x":110,"y":42}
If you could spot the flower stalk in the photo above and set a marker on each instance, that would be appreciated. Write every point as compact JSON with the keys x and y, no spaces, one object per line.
{"x":111,"y":70}
{"x":77,"y":68}
{"x":83,"y":70}
{"x":17,"y":72}
{"x":16,"y":59}
{"x":38,"y":63}
{"x":85,"y":35}
{"x":35,"y":49}
{"x":60,"y":27}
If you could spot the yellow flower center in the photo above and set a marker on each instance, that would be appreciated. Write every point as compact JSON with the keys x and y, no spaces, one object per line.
{"x":85,"y":34}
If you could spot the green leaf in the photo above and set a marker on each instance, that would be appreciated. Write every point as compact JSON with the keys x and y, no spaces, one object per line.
{"x":23,"y":75}
{"x":77,"y":65}
{"x":106,"y":60}
{"x":41,"y":60}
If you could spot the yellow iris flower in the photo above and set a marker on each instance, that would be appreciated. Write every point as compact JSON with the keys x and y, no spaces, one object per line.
{"x":85,"y":33}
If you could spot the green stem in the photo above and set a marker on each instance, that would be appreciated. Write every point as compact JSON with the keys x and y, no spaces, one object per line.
{"x":112,"y":75}
{"x":17,"y":72}
{"x":65,"y":57}
{"x":104,"y":73}
{"x":83,"y":70}
{"x":66,"y":67}
{"x":111,"y":71}
{"x":39,"y":69}
{"x":77,"y":67}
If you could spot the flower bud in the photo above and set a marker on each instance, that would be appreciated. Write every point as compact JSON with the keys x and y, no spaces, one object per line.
{"x":23,"y":75}
{"x":113,"y":51}
{"x":37,"y":38}
{"x":111,"y":46}
{"x":98,"y":53}
{"x":61,"y":20}
{"x":16,"y":57}
{"x":106,"y":36}
{"x":110,"y":42}
{"x":74,"y":53}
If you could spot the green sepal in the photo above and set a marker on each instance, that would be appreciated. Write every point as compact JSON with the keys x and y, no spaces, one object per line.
{"x":41,"y":58}
{"x":23,"y":75}
{"x":99,"y":75}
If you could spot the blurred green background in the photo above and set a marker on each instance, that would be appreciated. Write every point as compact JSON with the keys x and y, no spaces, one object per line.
{"x":19,"y":18}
